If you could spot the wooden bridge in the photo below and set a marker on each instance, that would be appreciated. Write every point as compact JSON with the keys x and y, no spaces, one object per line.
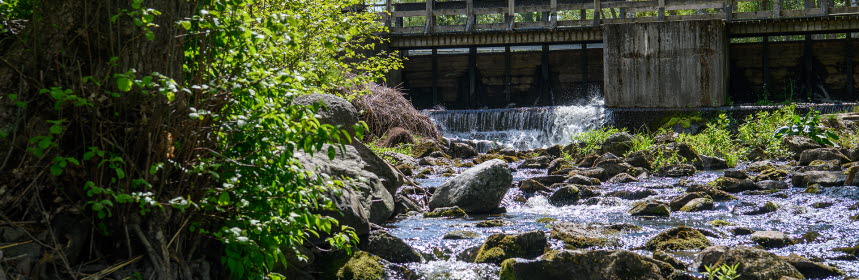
{"x":668,"y":24}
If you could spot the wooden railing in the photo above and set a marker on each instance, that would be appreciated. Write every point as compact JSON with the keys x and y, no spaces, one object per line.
{"x":591,"y":13}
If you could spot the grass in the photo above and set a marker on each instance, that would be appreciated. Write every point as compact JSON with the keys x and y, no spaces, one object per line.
{"x":758,"y":131}
{"x":591,"y":141}
{"x":405,"y":149}
{"x":716,"y":141}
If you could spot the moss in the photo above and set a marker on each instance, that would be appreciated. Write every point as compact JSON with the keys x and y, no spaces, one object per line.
{"x":447,"y":174}
{"x":497,"y":248}
{"x":546,"y":220}
{"x":425,"y":148}
{"x":507,"y":272}
{"x":684,"y":120}
{"x":849,"y":250}
{"x":490,"y":223}
{"x":679,"y":238}
{"x":446,"y":212}
{"x":772,"y":174}
{"x":721,"y":223}
{"x":580,"y":242}
{"x":362,"y":266}
{"x":813,"y":189}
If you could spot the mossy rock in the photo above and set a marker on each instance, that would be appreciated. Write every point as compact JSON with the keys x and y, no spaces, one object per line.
{"x":425,"y":148}
{"x":362,"y":266}
{"x":813,"y":189}
{"x":499,"y":247}
{"x":546,"y":220}
{"x":720,"y":223}
{"x":772,"y":174}
{"x":679,"y":238}
{"x":446,"y":212}
{"x":491,"y":223}
{"x":849,"y":250}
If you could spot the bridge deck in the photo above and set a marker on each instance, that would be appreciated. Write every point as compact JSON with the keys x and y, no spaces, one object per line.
{"x":570,"y":21}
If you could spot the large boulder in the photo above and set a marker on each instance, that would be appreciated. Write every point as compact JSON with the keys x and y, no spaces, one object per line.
{"x":586,"y":265}
{"x":698,"y":204}
{"x":683,"y":199}
{"x":462,"y":150}
{"x":734,"y":185}
{"x":812,"y":269}
{"x":797,"y":144}
{"x":618,"y":143}
{"x":807,"y":156}
{"x":752,"y":263}
{"x":676,"y":170}
{"x":771,"y":239}
{"x":578,"y":236}
{"x":362,"y":266}
{"x":823,"y":178}
{"x":361,"y":170}
{"x":391,"y":248}
{"x":336,"y":110}
{"x":499,"y":247}
{"x":537,"y":162}
{"x":679,"y":238}
{"x":649,"y":208}
{"x":477,"y":190}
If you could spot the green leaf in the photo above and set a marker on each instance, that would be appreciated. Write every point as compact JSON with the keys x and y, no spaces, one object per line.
{"x":123,"y":83}
{"x":185,"y":24}
{"x":332,"y":153}
{"x":56,"y":129}
{"x":46,"y":142}
{"x":56,"y":170}
{"x":120,"y":174}
{"x":150,"y":35}
{"x":224,"y":198}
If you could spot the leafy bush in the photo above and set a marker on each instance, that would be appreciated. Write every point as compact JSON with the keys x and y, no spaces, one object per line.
{"x":757,"y":130}
{"x":716,"y":141}
{"x":722,"y":272}
{"x":591,"y":141}
{"x":809,"y":126}
{"x":641,"y":142}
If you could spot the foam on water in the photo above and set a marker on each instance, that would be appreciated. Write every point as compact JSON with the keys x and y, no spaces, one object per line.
{"x":521,"y":128}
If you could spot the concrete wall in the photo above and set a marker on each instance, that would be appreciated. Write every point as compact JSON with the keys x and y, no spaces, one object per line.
{"x":666,"y":64}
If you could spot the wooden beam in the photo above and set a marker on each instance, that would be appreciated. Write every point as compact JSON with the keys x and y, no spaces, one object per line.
{"x":661,"y":13}
{"x":777,"y":4}
{"x":848,"y":65}
{"x":435,"y":74}
{"x":554,"y":13}
{"x":511,"y":14}
{"x":765,"y":61}
{"x":472,"y":77}
{"x":546,"y":88}
{"x":584,"y":65}
{"x":388,"y":12}
{"x":598,"y":12}
{"x":729,"y":10}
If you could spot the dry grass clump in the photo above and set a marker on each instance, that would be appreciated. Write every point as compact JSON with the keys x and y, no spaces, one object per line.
{"x":383,"y":108}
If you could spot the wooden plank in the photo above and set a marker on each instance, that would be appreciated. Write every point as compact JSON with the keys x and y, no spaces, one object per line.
{"x":472,"y":77}
{"x":388,"y":13}
{"x":508,"y":85}
{"x":408,"y":13}
{"x":428,"y":26}
{"x":661,"y":13}
{"x":729,"y":10}
{"x":765,"y":64}
{"x":777,"y":8}
{"x":584,"y":64}
{"x":470,"y":20}
{"x":511,"y":13}
{"x":848,"y":65}
{"x":554,"y":13}
{"x":490,"y":11}
{"x":435,"y":76}
{"x":598,"y":12}
{"x":546,"y":85}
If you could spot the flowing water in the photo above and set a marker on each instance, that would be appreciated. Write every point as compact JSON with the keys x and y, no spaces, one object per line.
{"x":521,"y":128}
{"x":794,"y":217}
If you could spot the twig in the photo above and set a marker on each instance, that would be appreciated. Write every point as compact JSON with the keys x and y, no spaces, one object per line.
{"x":15,"y":244}
{"x":113,"y":269}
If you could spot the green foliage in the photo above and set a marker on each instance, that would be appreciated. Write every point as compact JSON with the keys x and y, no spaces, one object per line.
{"x":809,"y":126}
{"x":591,"y":140}
{"x":722,"y":272}
{"x":405,"y":149}
{"x":716,"y":140}
{"x":641,"y":142}
{"x":757,"y":130}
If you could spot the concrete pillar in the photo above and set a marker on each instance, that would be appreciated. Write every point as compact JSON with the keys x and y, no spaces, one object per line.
{"x":666,"y":64}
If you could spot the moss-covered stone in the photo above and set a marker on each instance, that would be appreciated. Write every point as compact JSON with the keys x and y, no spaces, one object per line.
{"x":499,"y":247}
{"x":813,"y":189}
{"x":362,"y":266}
{"x":546,"y":220}
{"x":679,"y":238}
{"x":644,"y":208}
{"x":491,"y":223}
{"x":721,"y":223}
{"x":445,"y":212}
{"x":772,"y":174}
{"x":425,"y":148}
{"x":849,"y":250}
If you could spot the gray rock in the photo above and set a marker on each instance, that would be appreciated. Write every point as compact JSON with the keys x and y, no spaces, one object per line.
{"x":771,"y":239}
{"x":773,"y":185}
{"x":797,"y":144}
{"x":807,"y":156}
{"x":754,"y":264}
{"x":352,"y":210}
{"x":741,"y":231}
{"x":852,"y":178}
{"x":586,"y":265}
{"x":618,"y":143}
{"x":478,"y":189}
{"x":708,"y":257}
{"x":739,"y":174}
{"x":643,"y":159}
{"x":549,"y":179}
{"x":614,"y":167}
{"x":582,"y":180}
{"x":557,"y":164}
{"x":391,"y":248}
{"x":811,"y":269}
{"x":460,"y":234}
{"x":669,"y":259}
{"x":698,"y":204}
{"x":337,"y":111}
{"x":585,"y":236}
{"x":399,"y":158}
{"x":768,"y":207}
{"x":683,"y":199}
{"x":530,"y":185}
{"x":713,"y":163}
{"x":540,"y":162}
{"x":567,"y":195}
{"x":677,"y":170}
{"x":734,"y":185}
{"x":462,"y":150}
{"x":649,"y":209}
{"x":632,"y":193}
{"x":823,"y":178}
{"x":499,"y":247}
{"x":622,"y":178}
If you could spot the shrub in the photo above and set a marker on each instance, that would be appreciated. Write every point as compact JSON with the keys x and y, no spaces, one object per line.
{"x":641,"y":142}
{"x":716,"y":141}
{"x":757,"y":131}
{"x":591,"y":141}
{"x":722,"y":272}
{"x":809,"y":126}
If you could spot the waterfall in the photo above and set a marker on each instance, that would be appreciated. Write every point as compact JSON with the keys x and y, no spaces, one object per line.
{"x":520,"y":128}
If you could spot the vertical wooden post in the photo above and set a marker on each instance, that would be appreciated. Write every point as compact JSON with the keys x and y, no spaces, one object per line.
{"x":511,"y":14}
{"x":622,"y":12}
{"x":584,"y":66}
{"x":435,"y":99}
{"x":765,"y":57}
{"x":808,"y":4}
{"x":729,"y":10}
{"x":547,"y":80}
{"x":661,"y":14}
{"x":430,"y":22}
{"x":807,"y":65}
{"x":848,"y":56}
{"x":388,"y":12}
{"x":597,"y":12}
{"x":553,"y":5}
{"x":777,"y":4}
{"x":583,"y":15}
{"x":472,"y":77}
{"x":469,"y":10}
{"x":508,"y":79}
{"x":824,"y":6}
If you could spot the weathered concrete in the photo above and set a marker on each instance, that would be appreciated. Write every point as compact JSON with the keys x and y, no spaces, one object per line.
{"x":665,"y":64}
